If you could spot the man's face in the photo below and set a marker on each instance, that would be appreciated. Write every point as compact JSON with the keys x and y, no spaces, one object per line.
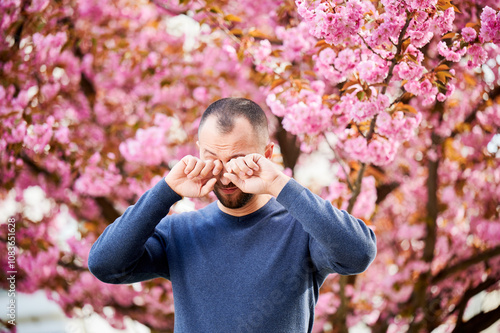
{"x":217,"y":146}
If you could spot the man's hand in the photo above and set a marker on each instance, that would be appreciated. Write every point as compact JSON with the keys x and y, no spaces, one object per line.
{"x":192,"y":177}
{"x":256,"y":174}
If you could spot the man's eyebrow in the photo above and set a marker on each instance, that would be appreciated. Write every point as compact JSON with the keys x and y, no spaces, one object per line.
{"x":208,"y":151}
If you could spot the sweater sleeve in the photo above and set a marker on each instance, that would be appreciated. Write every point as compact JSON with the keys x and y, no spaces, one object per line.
{"x":339,"y":242}
{"x":132,"y":249}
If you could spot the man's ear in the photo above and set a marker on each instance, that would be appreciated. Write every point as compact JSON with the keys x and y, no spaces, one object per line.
{"x":269,"y":150}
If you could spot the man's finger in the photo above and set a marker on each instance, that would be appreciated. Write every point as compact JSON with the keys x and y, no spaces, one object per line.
{"x":190,"y":164}
{"x":245,"y":169}
{"x":207,"y":169}
{"x":234,"y":179}
{"x":250,"y":162}
{"x":208,"y":187}
{"x":197,"y":169}
{"x":218,"y":166}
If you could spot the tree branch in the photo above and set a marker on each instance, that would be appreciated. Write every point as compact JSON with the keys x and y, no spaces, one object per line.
{"x":107,"y":208}
{"x":462,"y":304}
{"x":479,"y":322}
{"x":341,"y":163}
{"x":290,"y":150}
{"x":478,"y":258}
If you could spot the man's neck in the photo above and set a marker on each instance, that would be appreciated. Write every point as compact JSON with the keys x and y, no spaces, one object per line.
{"x":257,"y":202}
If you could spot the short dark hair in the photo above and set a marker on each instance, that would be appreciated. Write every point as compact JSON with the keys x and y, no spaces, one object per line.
{"x":228,"y":109}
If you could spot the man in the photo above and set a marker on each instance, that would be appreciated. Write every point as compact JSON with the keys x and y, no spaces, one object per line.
{"x":251,"y":262}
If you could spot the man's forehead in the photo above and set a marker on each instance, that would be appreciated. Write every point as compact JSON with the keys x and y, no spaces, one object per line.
{"x":211,"y":126}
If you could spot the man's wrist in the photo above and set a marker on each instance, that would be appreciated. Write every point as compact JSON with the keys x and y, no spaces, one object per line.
{"x":278,"y":184}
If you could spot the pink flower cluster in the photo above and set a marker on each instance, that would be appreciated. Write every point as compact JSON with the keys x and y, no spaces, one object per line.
{"x":408,"y":71}
{"x":48,"y":47}
{"x":303,"y":111}
{"x":478,"y":56}
{"x":149,"y":146}
{"x":469,"y":34}
{"x":262,"y":57}
{"x":296,"y":41}
{"x":420,"y":5}
{"x":372,"y":70}
{"x":335,"y":23}
{"x":351,"y":107}
{"x":97,"y":181}
{"x":387,"y":31}
{"x":455,"y":53}
{"x":397,"y":126}
{"x":425,"y":89}
{"x":419,"y":30}
{"x":379,"y":151}
{"x":443,"y":21}
{"x":335,"y":67}
{"x":490,"y":25}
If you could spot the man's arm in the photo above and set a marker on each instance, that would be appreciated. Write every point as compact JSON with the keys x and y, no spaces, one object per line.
{"x":131,"y":249}
{"x":340,"y":242}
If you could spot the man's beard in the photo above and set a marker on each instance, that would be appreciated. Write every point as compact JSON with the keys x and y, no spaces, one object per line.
{"x":234,"y":200}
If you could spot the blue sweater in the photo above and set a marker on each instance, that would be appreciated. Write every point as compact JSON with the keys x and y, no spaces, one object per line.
{"x":256,"y":273}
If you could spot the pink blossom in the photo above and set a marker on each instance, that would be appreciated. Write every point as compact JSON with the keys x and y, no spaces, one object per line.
{"x":39,"y":135}
{"x":486,"y":229}
{"x":415,"y":53}
{"x":408,"y":71}
{"x":337,"y":190}
{"x":420,"y":5}
{"x":262,"y":57}
{"x":48,"y":47}
{"x":200,"y":94}
{"x":478,"y":56}
{"x":469,"y":34}
{"x":365,"y":110}
{"x":381,"y":151}
{"x":419,"y":30}
{"x":296,"y":41}
{"x":424,"y":88}
{"x":490,"y":25}
{"x":95,"y":181}
{"x":62,"y":135}
{"x":428,"y":91}
{"x":490,"y":116}
{"x":148,"y":147}
{"x":398,"y":127}
{"x":18,"y":133}
{"x":357,"y":148}
{"x":344,"y":22}
{"x":324,"y":64}
{"x":443,"y":21}
{"x":372,"y":71}
{"x":454,"y":54}
{"x":388,"y":30}
{"x":49,"y":91}
{"x":345,"y":61}
{"x":277,"y":108}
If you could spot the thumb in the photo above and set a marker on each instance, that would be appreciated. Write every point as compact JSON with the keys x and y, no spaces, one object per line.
{"x":234,"y":179}
{"x":208,"y":187}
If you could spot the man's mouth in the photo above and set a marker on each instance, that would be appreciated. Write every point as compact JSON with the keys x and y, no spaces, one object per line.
{"x":228,"y":190}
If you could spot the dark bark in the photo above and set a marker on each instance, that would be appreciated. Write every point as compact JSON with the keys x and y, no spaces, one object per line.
{"x":479,"y":322}
{"x":462,"y":265}
{"x":290,"y":148}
